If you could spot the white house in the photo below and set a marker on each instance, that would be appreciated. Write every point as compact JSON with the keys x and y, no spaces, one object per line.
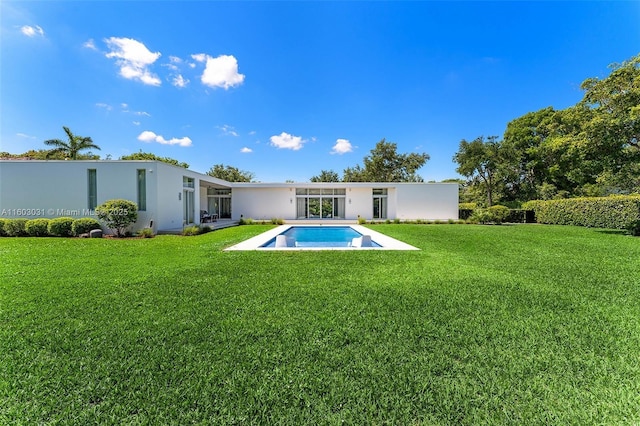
{"x":168,"y":197}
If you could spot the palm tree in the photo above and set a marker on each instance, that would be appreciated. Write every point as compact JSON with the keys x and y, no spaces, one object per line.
{"x":70,"y":148}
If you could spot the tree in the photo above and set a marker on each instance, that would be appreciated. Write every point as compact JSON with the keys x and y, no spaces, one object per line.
{"x":118,"y":215}
{"x":44,"y":154}
{"x":616,"y":103}
{"x":479,"y":160}
{"x":149,"y":156}
{"x":72,"y":147}
{"x":384,"y":164}
{"x":230,"y":173}
{"x":326,"y":176}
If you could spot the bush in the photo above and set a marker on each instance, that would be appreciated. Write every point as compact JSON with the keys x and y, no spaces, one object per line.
{"x":634,"y":228}
{"x":615,"y":212}
{"x":498,"y":213}
{"x":516,"y":216}
{"x":61,"y":227}
{"x":192,"y":230}
{"x":37,"y":227}
{"x":84,"y":226}
{"x":361,"y":220}
{"x":3,"y":233}
{"x":481,"y":216}
{"x":245,"y":221}
{"x":146,"y":233}
{"x":15,"y":228}
{"x":277,"y":221}
{"x":118,"y":215}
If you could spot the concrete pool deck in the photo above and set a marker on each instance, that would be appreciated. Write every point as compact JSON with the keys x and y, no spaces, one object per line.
{"x":256,"y":242}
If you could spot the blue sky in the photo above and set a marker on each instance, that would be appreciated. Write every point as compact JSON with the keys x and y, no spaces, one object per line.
{"x":287,"y":89}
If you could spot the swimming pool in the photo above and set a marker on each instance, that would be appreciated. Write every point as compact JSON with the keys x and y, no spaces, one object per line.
{"x":318,"y":236}
{"x":262,"y":241}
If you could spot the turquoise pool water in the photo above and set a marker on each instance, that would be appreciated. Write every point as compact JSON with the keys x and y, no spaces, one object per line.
{"x":320,"y":236}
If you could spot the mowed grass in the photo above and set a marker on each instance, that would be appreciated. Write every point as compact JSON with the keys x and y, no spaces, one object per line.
{"x":522,"y":324}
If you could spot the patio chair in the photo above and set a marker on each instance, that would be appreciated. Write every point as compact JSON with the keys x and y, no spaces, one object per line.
{"x":204,"y":216}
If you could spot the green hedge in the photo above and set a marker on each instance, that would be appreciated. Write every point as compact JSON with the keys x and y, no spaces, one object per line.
{"x":3,"y":221}
{"x":84,"y":225}
{"x":615,"y":212}
{"x":15,"y":228}
{"x":37,"y":227}
{"x":61,"y":227}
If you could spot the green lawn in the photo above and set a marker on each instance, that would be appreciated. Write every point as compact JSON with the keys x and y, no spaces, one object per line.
{"x":522,"y":324}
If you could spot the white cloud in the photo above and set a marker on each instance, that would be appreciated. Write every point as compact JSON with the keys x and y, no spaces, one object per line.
{"x":136,"y":123}
{"x":219,"y":72}
{"x":30,"y":31}
{"x":200,"y":57}
{"x":175,"y":59}
{"x":90,"y":44}
{"x":342,"y":146}
{"x":149,"y":136}
{"x":287,"y":141}
{"x":24,"y":135}
{"x":228,"y":130}
{"x":107,"y":107}
{"x":246,"y":150}
{"x":180,"y":81}
{"x":134,"y":59}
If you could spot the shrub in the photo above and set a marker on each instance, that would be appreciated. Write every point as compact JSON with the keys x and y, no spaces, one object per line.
{"x":61,"y":227}
{"x":3,"y":221}
{"x":465,"y":210}
{"x":277,"y":221}
{"x":396,"y":221}
{"x":498,"y":213}
{"x":118,"y":215}
{"x":634,"y":228}
{"x":245,"y":221}
{"x":481,"y":216}
{"x":615,"y":212}
{"x":192,"y":230}
{"x":361,"y":220}
{"x":84,"y":225}
{"x":15,"y":228}
{"x":37,"y":227}
{"x":516,"y":216}
{"x":146,"y":233}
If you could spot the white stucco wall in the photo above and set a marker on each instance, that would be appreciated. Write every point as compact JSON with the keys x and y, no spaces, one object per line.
{"x":263,"y":203}
{"x":358,"y":203}
{"x":50,"y":189}
{"x":433,"y":201}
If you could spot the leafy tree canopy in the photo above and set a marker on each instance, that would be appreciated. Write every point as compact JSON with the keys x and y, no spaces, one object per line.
{"x":149,"y":156}
{"x":230,"y":173}
{"x":480,"y":160}
{"x":71,"y":147}
{"x":326,"y":176}
{"x":384,"y":164}
{"x":45,"y":154}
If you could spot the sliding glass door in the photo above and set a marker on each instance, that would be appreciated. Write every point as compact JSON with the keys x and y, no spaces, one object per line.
{"x":320,"y":203}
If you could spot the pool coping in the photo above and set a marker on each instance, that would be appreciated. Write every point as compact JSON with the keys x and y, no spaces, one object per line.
{"x":385,"y":241}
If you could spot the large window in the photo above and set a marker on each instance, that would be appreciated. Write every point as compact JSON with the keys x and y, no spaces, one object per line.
{"x":142,"y":189}
{"x":320,"y":203}
{"x":380,"y":203}
{"x":188,"y":193}
{"x":219,"y":202}
{"x":92,"y":191}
